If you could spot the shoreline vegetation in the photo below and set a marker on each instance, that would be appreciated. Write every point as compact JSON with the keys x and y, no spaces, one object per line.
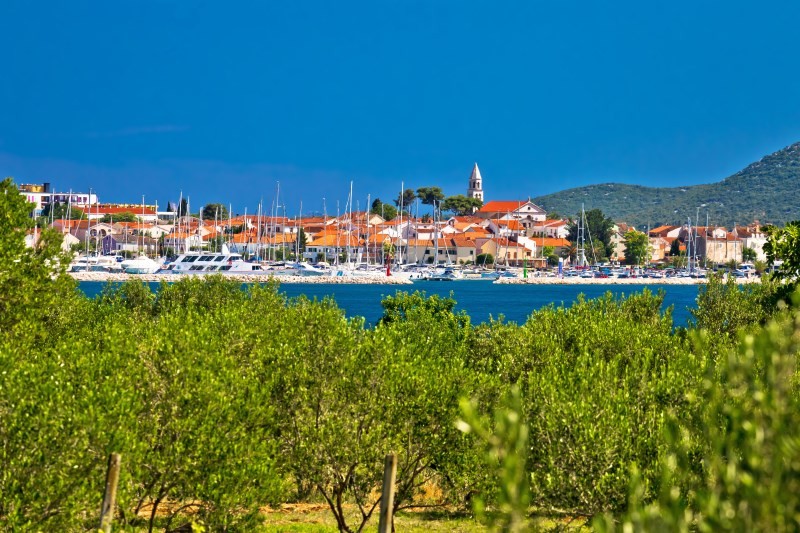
{"x":224,"y":400}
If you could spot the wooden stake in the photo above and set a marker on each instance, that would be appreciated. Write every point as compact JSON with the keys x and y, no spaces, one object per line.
{"x":387,"y":496}
{"x":110,"y":496}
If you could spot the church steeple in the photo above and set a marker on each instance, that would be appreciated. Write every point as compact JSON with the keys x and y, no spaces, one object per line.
{"x":475,"y":189}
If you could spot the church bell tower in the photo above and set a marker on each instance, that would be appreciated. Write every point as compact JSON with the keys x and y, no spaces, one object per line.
{"x":475,"y":189}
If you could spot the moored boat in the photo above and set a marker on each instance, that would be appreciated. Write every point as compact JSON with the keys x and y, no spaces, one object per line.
{"x":140,"y":265}
{"x":223,"y":262}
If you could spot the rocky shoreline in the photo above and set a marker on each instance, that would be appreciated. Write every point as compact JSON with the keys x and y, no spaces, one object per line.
{"x":613,"y":281}
{"x":394,"y":280}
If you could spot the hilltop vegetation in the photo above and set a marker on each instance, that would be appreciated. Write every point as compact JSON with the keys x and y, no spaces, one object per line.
{"x":767,"y":191}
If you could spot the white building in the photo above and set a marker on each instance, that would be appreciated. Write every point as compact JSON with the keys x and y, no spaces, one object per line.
{"x":41,"y":195}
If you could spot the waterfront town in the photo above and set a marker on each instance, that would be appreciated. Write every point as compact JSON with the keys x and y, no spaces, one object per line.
{"x":493,"y":233}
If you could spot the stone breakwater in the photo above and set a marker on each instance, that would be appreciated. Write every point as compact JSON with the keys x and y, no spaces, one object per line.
{"x":612,"y":281}
{"x":244,"y":278}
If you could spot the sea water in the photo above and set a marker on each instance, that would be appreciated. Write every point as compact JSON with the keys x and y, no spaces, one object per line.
{"x":480,"y":299}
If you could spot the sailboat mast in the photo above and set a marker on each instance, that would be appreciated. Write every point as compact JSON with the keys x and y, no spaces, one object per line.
{"x":258,"y":229}
{"x":581,"y":252}
{"x":399,"y":259}
{"x":297,"y":233}
{"x":366,"y":221}
{"x":689,"y":243}
{"x":349,"y":217}
{"x":338,"y":234}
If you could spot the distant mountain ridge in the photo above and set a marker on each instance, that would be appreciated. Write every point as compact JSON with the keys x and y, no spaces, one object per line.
{"x":767,"y":191}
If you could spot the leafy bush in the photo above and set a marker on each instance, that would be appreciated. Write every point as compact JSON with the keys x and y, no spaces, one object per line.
{"x":734,"y":463}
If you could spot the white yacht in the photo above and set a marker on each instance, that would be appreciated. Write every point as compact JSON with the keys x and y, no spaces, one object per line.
{"x":223,"y":262}
{"x":95,"y":263}
{"x":140,"y":265}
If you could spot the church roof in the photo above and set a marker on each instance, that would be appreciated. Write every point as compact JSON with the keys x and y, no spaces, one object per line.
{"x":501,"y":206}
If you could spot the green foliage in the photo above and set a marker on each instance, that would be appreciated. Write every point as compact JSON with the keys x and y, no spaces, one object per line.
{"x":126,"y":216}
{"x":430,"y":195}
{"x":301,"y":240}
{"x":748,"y":254}
{"x":460,"y":205}
{"x":217,"y":212}
{"x":599,"y":227}
{"x":335,"y":393}
{"x":405,"y":199}
{"x":388,"y":248}
{"x":405,"y":306}
{"x":732,"y":464}
{"x":784,"y":244}
{"x":153,"y":378}
{"x":595,"y":378}
{"x":58,"y":211}
{"x":484,"y":259}
{"x":506,"y":446}
{"x":675,"y":248}
{"x":679,"y":261}
{"x":29,"y":300}
{"x":725,"y":308}
{"x":387,"y":211}
{"x":637,"y":247}
{"x":766,"y":190}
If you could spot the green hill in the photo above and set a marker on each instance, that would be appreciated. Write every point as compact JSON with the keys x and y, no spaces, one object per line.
{"x":767,"y":191}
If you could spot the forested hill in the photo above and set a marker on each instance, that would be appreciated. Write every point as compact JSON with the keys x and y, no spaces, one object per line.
{"x":767,"y":191}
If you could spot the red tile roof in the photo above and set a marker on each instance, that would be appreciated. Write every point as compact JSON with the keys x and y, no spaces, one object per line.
{"x":115,"y":210}
{"x":502,"y":206}
{"x":548,"y":241}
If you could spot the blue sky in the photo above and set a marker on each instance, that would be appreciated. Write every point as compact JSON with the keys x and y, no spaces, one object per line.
{"x":221,"y":100}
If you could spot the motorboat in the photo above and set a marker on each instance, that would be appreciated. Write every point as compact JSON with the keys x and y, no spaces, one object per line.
{"x":140,"y":265}
{"x":446,"y":274}
{"x":95,"y":263}
{"x":201,"y":262}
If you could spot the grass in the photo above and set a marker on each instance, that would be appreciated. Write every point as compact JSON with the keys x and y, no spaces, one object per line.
{"x":314,"y":518}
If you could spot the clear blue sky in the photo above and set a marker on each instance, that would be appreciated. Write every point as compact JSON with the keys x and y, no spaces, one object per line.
{"x":221,"y":100}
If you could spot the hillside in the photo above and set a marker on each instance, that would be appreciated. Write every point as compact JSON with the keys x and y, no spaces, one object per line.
{"x":767,"y":191}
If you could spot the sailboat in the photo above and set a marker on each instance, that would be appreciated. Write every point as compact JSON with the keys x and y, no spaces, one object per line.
{"x":140,"y":264}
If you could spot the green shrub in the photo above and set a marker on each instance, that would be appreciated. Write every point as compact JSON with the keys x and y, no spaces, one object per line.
{"x":733,"y":464}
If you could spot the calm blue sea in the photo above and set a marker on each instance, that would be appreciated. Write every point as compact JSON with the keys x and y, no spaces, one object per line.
{"x":480,"y":299}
